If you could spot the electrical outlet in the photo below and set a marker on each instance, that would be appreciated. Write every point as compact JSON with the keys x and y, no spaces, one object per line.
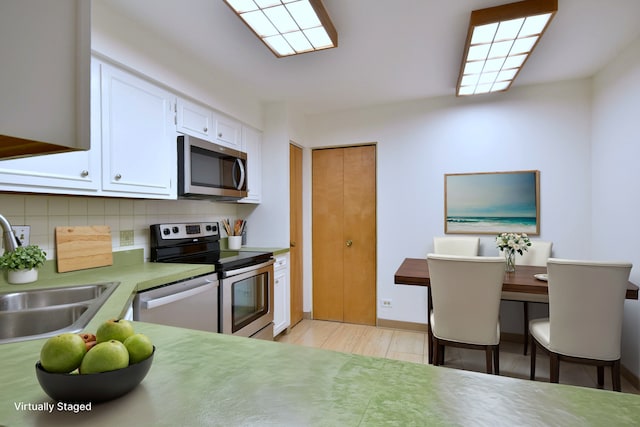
{"x":22,"y":233}
{"x":386,"y":303}
{"x":126,"y":237}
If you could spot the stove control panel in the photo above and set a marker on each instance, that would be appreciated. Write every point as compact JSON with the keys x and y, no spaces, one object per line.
{"x":190,"y":230}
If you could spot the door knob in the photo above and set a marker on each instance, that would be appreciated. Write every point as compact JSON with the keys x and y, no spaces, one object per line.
{"x":349,"y":243}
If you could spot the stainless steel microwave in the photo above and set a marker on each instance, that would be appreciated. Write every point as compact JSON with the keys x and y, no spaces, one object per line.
{"x":207,"y":170}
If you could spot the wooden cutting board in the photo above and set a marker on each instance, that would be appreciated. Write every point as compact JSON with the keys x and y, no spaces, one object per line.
{"x":83,"y":247}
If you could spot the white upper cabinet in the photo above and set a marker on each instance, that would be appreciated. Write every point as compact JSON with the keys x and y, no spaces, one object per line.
{"x":252,"y":145}
{"x":194,"y":120}
{"x":138,"y":135}
{"x":45,"y":48}
{"x":228,"y":131}
{"x":202,"y":122}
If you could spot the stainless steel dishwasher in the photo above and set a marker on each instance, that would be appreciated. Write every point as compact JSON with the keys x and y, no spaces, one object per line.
{"x":191,"y":303}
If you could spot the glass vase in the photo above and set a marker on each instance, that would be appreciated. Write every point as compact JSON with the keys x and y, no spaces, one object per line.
{"x":510,"y":260}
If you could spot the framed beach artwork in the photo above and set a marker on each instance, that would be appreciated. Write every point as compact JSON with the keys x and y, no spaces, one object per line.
{"x":492,"y":202}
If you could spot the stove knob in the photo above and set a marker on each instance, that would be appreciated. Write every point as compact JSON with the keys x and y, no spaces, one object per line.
{"x":209,"y":227}
{"x":175,"y":229}
{"x":166,"y":231}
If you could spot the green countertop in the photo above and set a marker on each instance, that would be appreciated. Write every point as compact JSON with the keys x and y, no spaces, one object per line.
{"x":200,"y":378}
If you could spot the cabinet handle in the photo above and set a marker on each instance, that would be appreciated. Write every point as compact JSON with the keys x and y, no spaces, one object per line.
{"x":292,"y":244}
{"x":205,"y":130}
{"x":349,"y":243}
{"x":84,"y":173}
{"x":118,"y":177}
{"x":220,"y":135}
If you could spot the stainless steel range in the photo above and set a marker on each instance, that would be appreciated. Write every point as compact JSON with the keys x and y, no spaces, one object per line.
{"x":245,"y":278}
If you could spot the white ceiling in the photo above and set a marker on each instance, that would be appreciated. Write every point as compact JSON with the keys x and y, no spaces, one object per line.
{"x":389,"y":50}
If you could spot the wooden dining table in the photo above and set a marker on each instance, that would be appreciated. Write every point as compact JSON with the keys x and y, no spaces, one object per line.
{"x":415,"y":271}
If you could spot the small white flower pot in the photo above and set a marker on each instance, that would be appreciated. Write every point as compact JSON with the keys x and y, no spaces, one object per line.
{"x":18,"y":277}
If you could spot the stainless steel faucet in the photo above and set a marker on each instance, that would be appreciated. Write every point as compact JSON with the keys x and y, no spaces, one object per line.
{"x":10,"y":240}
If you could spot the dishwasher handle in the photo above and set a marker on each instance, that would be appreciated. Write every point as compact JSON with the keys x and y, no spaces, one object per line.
{"x":157,"y":302}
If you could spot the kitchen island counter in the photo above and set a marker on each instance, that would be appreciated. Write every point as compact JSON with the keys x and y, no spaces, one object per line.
{"x":201,"y":378}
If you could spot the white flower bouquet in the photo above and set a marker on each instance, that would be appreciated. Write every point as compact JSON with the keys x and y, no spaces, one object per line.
{"x":516,"y":242}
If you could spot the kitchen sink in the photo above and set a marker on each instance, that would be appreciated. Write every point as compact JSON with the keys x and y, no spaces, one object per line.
{"x":43,"y":313}
{"x":57,"y":296}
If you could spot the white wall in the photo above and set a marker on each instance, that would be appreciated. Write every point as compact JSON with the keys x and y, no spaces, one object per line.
{"x":542,"y":127}
{"x":616,"y":180}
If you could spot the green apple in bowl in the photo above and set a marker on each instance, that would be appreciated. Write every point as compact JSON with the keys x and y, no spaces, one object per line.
{"x":114,"y":329}
{"x":105,"y":356}
{"x":139,"y":347}
{"x":62,"y":353}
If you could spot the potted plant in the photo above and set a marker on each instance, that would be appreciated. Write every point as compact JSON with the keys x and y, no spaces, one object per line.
{"x":22,"y":264}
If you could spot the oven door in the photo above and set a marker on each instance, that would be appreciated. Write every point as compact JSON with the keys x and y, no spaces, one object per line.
{"x":247,"y":301}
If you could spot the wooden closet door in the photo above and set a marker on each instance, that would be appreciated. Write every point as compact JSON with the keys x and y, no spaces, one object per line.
{"x":360,"y":229}
{"x":295,"y":232}
{"x":344,"y":234}
{"x":327,"y":229}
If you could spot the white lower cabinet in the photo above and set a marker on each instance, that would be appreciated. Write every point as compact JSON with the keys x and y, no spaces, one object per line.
{"x":281,"y":295}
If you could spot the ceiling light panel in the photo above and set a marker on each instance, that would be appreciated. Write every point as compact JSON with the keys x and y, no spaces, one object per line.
{"x":288,"y":27}
{"x":499,"y":41}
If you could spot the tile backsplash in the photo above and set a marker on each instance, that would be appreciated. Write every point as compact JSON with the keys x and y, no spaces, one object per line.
{"x":45,"y":212}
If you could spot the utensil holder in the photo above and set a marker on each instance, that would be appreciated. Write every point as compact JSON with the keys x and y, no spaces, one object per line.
{"x":234,"y":242}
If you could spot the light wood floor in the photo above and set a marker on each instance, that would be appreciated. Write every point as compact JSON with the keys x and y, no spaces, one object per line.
{"x":412,"y":347}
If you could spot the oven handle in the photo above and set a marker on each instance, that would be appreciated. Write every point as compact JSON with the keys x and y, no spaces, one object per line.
{"x":250,"y":268}
{"x":157,"y":302}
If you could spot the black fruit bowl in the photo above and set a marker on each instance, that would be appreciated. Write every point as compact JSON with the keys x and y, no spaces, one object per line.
{"x":93,"y":387}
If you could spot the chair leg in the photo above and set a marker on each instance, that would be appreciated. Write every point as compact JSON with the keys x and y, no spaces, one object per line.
{"x":600,"y":369}
{"x":615,"y":376}
{"x":430,"y":345}
{"x":435,"y":346}
{"x":554,"y":368}
{"x":487,"y":353}
{"x":525,"y":310}
{"x":496,"y":359}
{"x":532,"y":374}
{"x":441,"y":348}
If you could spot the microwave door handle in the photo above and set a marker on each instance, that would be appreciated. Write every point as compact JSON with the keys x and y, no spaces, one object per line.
{"x":239,"y":183}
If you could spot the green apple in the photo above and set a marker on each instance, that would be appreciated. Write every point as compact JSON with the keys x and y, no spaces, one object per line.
{"x":105,"y":356}
{"x":114,"y":329}
{"x":62,"y":353}
{"x":139,"y":346}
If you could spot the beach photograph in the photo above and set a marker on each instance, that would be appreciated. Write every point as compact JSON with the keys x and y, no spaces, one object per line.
{"x":492,"y":202}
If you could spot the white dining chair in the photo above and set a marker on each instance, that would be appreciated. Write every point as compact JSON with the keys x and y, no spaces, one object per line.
{"x":466,"y":303}
{"x":451,"y":245}
{"x":465,"y":246}
{"x":586,"y":299}
{"x":537,"y":254}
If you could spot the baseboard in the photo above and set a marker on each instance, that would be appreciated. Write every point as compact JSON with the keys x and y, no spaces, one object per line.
{"x":306,"y":315}
{"x":397,"y":324}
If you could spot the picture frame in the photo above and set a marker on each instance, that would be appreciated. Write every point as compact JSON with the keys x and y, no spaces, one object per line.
{"x":492,"y":202}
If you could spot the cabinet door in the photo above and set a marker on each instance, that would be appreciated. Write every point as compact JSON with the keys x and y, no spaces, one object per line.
{"x":281,"y":316}
{"x":138,"y":136}
{"x":77,"y":172}
{"x":228,"y":131}
{"x":252,"y":145}
{"x":194,"y":120}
